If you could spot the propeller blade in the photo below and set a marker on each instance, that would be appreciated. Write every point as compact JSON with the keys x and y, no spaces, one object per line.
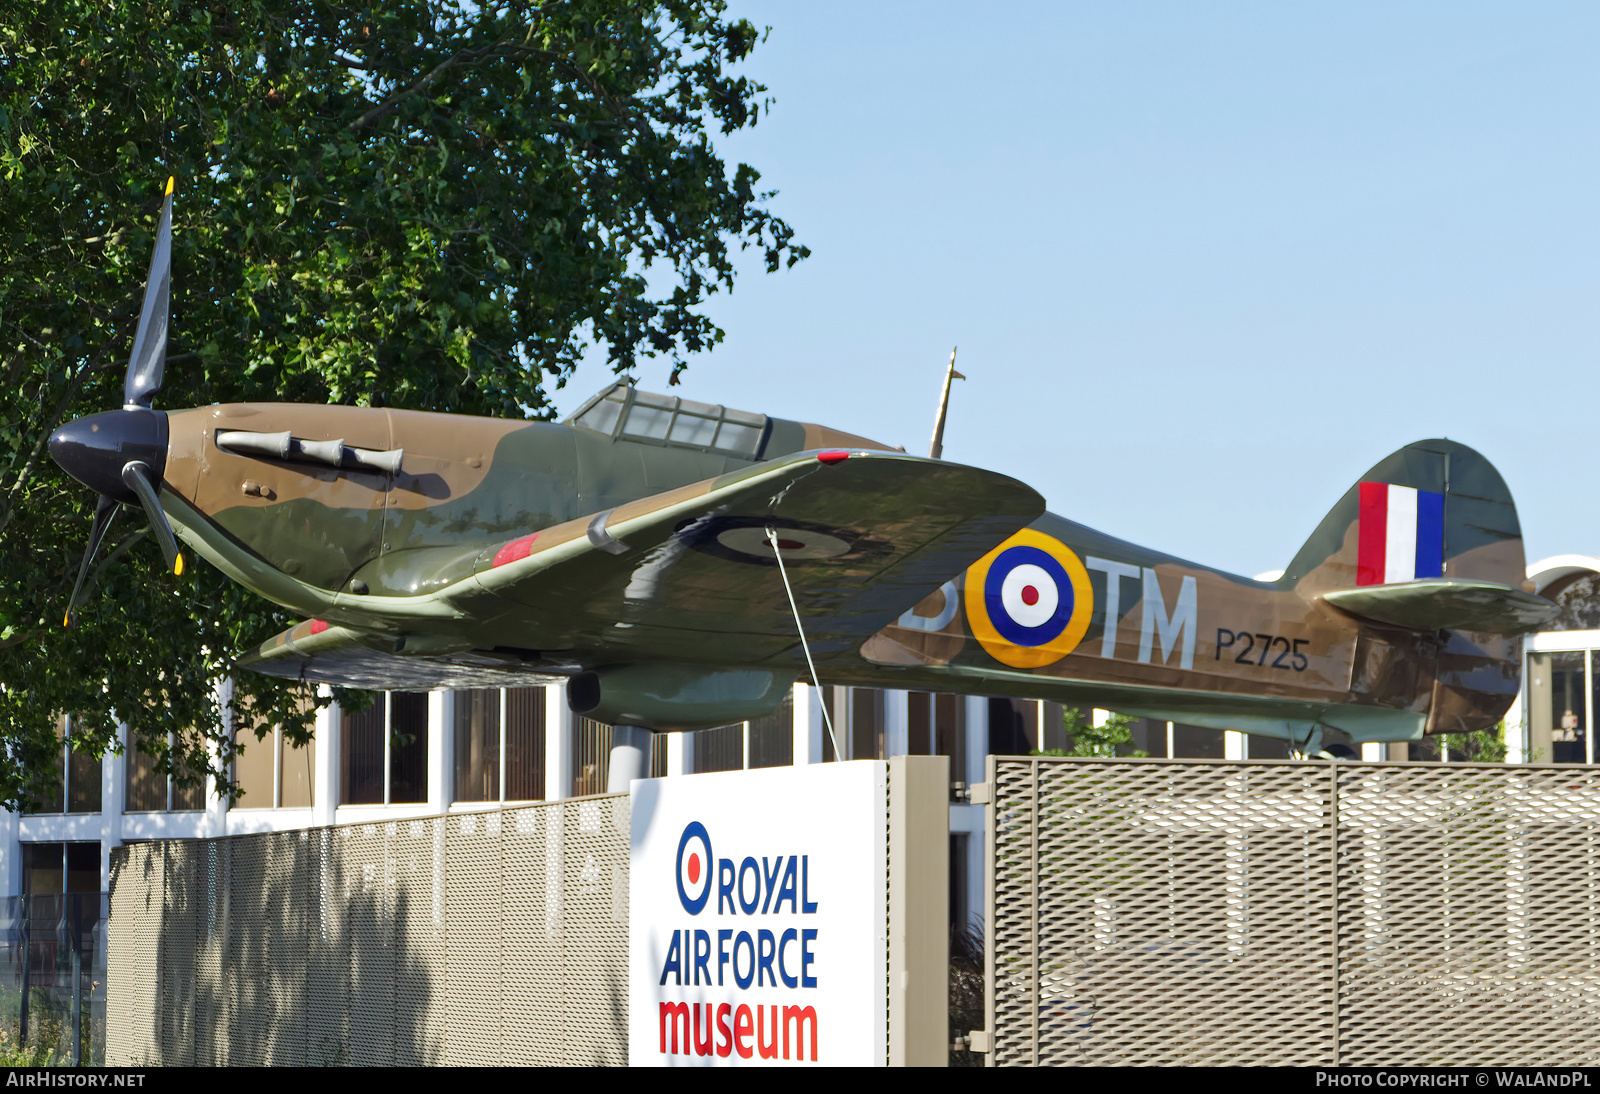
{"x":138,"y":477}
{"x":149,"y":358}
{"x":103,"y":512}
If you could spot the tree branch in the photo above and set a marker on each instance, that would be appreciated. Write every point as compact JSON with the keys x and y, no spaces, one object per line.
{"x":365,"y":66}
{"x":421,"y":85}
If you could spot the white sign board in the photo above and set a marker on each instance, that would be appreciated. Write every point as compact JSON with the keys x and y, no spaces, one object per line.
{"x":757,"y":904}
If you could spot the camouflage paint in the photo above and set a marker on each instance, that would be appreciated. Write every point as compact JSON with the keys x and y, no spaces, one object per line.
{"x":507,"y":551}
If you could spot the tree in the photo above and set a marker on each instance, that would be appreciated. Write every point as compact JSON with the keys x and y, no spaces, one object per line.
{"x":433,"y":204}
{"x":1487,"y":746}
{"x":1112,"y":738}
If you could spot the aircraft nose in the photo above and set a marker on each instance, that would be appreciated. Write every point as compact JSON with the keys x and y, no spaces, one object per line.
{"x":95,"y":449}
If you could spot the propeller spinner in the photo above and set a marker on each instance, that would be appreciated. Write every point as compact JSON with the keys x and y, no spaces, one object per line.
{"x":121,"y":454}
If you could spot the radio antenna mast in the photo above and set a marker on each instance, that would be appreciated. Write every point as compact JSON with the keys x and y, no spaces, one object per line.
{"x":936,"y":448}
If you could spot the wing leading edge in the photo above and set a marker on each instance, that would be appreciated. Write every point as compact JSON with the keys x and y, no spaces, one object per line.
{"x":686,"y":575}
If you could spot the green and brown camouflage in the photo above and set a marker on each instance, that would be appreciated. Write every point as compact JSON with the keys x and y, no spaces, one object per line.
{"x":437,"y":550}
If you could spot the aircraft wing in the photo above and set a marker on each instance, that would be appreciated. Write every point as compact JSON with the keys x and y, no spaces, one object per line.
{"x":690,"y":574}
{"x":354,"y":658}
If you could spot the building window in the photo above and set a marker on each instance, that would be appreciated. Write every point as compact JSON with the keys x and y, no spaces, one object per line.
{"x":858,"y":721}
{"x":767,"y":741}
{"x":408,"y":747}
{"x":1558,"y":708}
{"x":147,"y":788}
{"x":591,"y":756}
{"x":477,"y":745}
{"x":866,"y":724}
{"x":591,"y":745}
{"x":1149,"y":737}
{"x":77,"y":787}
{"x":83,"y":782}
{"x":1013,"y":727}
{"x":187,"y":796}
{"x":1197,"y":742}
{"x":272,"y":772}
{"x":771,"y":741}
{"x":383,"y":751}
{"x":297,"y":767}
{"x":1270,"y":748}
{"x":491,"y":765}
{"x":524,"y":744}
{"x":1052,"y":728}
{"x":151,"y":791}
{"x":361,"y":747}
{"x":832,"y":727}
{"x":936,"y":725}
{"x":255,"y":769}
{"x":44,"y":868}
{"x":960,"y":914}
{"x":50,"y":868}
{"x":720,"y":749}
{"x":60,"y":884}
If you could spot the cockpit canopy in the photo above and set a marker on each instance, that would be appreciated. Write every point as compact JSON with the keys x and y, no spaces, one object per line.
{"x":624,"y":411}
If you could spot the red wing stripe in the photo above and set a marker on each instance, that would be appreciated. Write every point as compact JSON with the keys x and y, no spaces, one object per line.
{"x":516,"y":549}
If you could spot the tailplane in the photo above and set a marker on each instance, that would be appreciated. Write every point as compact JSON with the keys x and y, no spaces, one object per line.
{"x":1444,"y":604}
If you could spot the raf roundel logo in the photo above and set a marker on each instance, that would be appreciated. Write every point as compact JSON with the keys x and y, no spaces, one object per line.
{"x":694,"y":867}
{"x":1029,"y":600}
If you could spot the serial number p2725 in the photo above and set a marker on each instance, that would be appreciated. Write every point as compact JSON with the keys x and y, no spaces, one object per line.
{"x":1258,"y":647}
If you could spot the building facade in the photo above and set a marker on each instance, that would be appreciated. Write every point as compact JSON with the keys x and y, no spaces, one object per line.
{"x":430,"y":753}
{"x":1553,"y":719}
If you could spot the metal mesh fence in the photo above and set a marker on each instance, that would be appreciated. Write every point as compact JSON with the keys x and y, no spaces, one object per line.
{"x":1198,"y":912}
{"x":497,"y":937}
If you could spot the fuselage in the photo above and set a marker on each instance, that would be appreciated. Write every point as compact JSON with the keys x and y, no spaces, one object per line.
{"x":364,"y":548}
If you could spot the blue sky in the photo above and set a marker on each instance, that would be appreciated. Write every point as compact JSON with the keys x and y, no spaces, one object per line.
{"x":1206,"y":263}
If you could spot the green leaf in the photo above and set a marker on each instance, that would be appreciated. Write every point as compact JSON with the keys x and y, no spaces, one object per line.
{"x":449,"y":224}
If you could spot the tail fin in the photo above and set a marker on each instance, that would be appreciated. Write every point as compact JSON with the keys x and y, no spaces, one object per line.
{"x":1435,"y":510}
{"x":1429,"y":541}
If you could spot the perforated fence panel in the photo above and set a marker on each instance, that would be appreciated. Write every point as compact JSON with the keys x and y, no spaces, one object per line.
{"x":133,"y":981}
{"x":1208,"y":912}
{"x":482,"y":938}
